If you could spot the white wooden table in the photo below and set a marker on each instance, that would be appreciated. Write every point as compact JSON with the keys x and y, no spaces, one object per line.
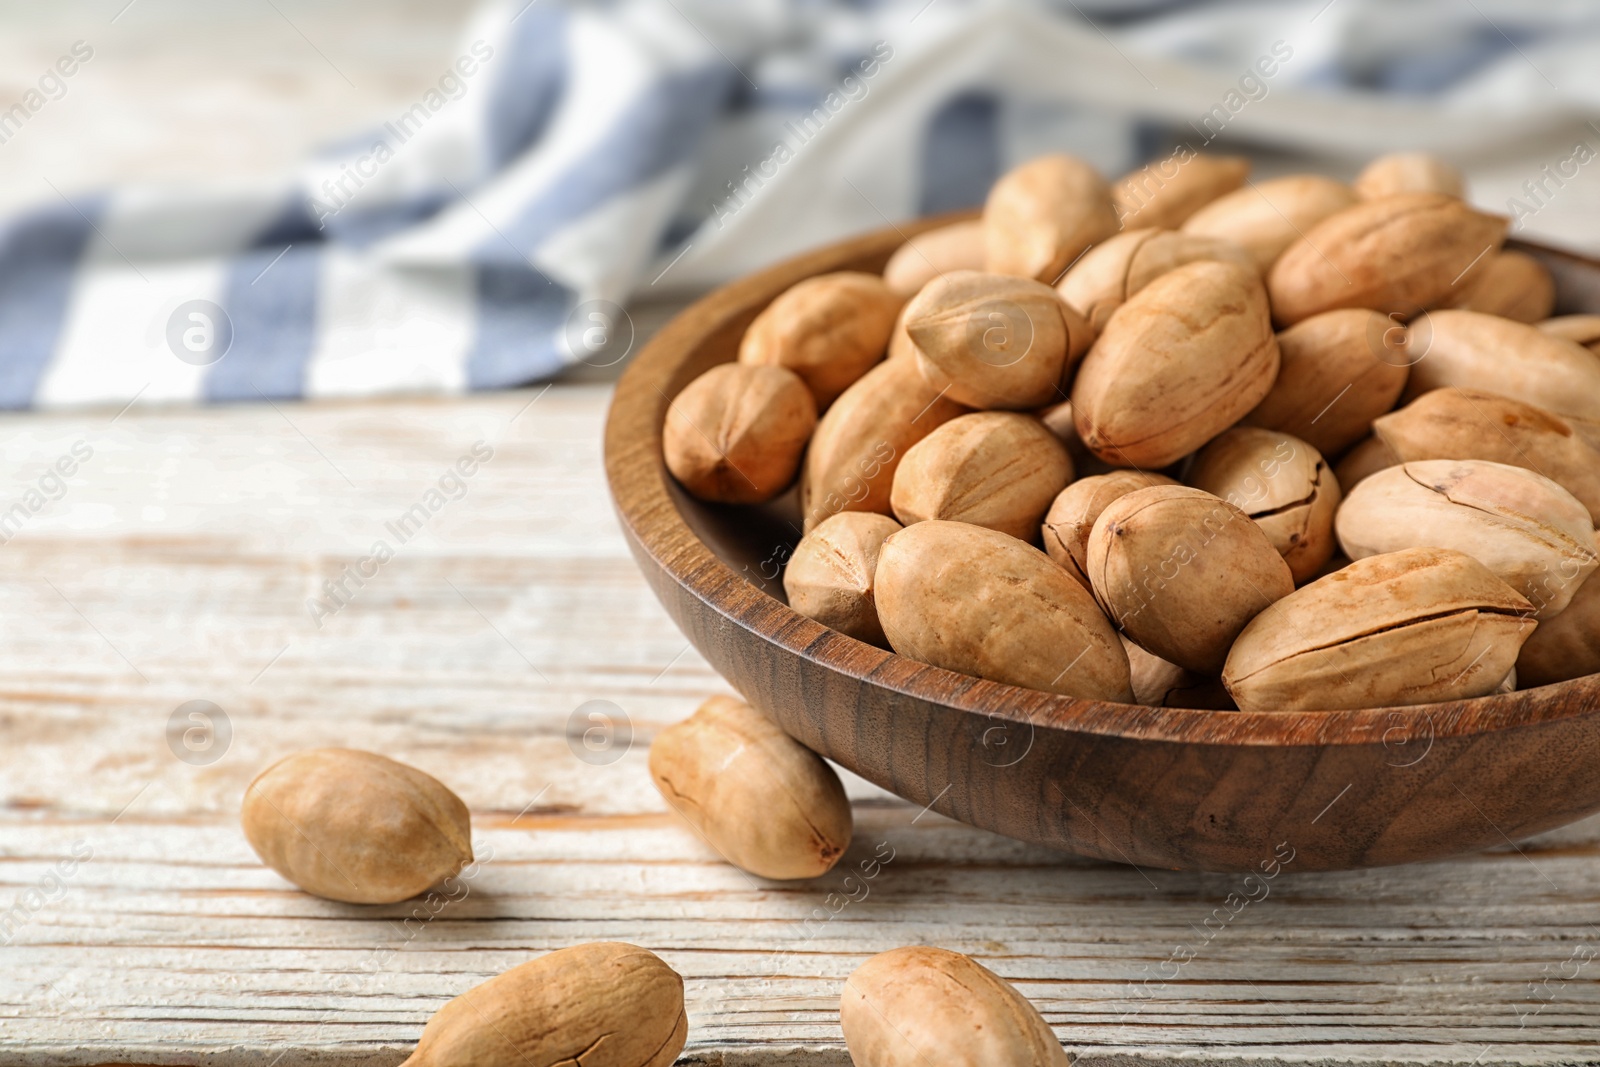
{"x":176,"y":567}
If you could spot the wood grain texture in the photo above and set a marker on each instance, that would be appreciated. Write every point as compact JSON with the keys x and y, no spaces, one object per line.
{"x":1165,"y":787}
{"x":189,"y":543}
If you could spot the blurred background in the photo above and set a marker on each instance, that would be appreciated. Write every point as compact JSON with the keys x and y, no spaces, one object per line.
{"x":186,"y":90}
{"x":490,"y":178}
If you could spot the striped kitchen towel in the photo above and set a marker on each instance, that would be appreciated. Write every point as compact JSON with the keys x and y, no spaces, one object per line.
{"x":571,"y":156}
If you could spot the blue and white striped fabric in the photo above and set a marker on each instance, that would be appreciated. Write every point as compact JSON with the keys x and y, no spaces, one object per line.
{"x":573,"y":153}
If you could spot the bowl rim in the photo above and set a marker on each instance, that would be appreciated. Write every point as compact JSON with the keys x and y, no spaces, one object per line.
{"x":637,"y":476}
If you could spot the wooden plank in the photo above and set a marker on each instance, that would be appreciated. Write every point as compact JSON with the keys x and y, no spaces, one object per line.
{"x":176,"y":566}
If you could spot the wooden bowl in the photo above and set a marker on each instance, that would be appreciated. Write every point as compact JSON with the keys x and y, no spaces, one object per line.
{"x":1221,"y":791}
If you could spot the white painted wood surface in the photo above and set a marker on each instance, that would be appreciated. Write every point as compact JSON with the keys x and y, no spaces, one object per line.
{"x":176,"y":567}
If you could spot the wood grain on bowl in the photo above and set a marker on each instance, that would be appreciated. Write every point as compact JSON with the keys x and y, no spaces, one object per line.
{"x":1153,"y":786}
